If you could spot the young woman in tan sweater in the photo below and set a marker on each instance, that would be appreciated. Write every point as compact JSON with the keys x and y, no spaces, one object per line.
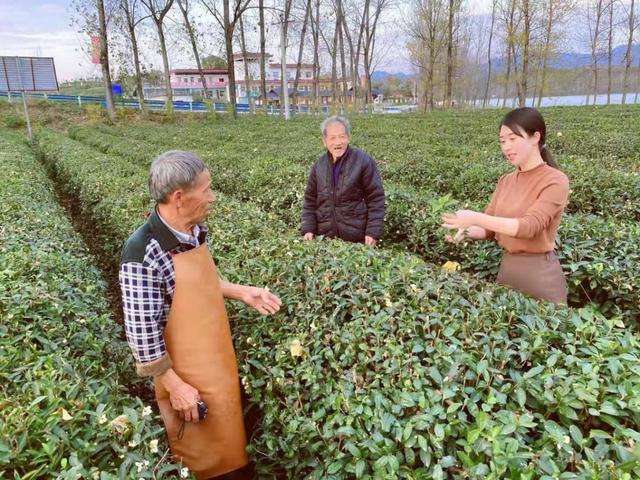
{"x":524,"y":212}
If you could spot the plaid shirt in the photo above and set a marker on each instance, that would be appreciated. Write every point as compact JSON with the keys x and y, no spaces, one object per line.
{"x":147,"y":283}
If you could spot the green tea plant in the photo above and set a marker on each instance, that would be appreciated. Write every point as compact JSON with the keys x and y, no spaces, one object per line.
{"x":381,"y":365}
{"x":66,"y":411}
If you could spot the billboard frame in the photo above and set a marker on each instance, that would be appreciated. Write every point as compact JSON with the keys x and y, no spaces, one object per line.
{"x":29,"y":68}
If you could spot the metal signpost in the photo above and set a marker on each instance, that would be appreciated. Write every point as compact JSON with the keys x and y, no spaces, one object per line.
{"x":28,"y":74}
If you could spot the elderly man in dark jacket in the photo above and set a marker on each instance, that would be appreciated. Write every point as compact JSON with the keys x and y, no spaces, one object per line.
{"x":344,"y":196}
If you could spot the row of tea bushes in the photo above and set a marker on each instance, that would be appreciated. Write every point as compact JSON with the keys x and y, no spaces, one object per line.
{"x":446,"y":153}
{"x":383,"y":366}
{"x":65,"y":408}
{"x":598,"y":253}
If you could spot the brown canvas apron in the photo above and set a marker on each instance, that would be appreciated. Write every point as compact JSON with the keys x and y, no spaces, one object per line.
{"x":198,"y":340}
{"x":536,"y":274}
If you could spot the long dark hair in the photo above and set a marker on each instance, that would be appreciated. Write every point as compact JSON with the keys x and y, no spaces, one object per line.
{"x":530,"y":120}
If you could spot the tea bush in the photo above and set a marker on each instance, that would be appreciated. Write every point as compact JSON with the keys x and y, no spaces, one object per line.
{"x":383,"y":366}
{"x":65,"y":409}
{"x":447,"y":153}
{"x":586,"y":242}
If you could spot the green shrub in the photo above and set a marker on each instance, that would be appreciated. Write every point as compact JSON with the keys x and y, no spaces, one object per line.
{"x":64,"y":372}
{"x":275,"y":181}
{"x":383,"y":366}
{"x":14,"y":119}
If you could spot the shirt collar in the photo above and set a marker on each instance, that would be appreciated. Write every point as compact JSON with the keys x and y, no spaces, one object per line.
{"x":169,"y":238}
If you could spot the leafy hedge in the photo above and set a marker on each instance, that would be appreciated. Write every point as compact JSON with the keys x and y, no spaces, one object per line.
{"x":65,"y":409}
{"x":446,"y":153}
{"x":598,"y":253}
{"x":383,"y":366}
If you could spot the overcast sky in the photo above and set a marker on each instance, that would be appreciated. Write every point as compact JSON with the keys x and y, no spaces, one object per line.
{"x":43,"y":28}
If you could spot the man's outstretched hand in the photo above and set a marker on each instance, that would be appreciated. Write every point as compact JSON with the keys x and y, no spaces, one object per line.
{"x":262,"y":300}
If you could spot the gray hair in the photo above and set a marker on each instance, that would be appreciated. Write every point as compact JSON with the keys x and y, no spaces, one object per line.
{"x":335,"y":119}
{"x":173,"y":170}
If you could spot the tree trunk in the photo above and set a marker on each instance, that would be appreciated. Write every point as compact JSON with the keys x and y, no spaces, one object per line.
{"x":228,"y":42}
{"x":263,"y":60}
{"x":158,"y":19}
{"x":510,"y":41}
{"x":361,"y":34}
{"x":369,"y":46}
{"x":247,"y":78}
{"x":334,"y":74}
{"x":131,"y":27}
{"x":516,"y":74}
{"x":522,"y":94}
{"x":104,"y":61}
{"x":486,"y":88}
{"x":610,"y":53}
{"x":430,"y":84}
{"x":594,"y":52}
{"x":352,"y":61}
{"x":316,"y":58}
{"x":284,"y":31}
{"x":545,"y":52}
{"x":449,"y":80}
{"x":635,"y":97}
{"x":343,"y":64}
{"x":629,"y":53}
{"x":167,"y":71}
{"x":303,"y":33}
{"x":184,"y":7}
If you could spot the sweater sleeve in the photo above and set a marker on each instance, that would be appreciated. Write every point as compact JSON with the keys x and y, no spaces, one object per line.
{"x":491,"y":208}
{"x":550,"y":202}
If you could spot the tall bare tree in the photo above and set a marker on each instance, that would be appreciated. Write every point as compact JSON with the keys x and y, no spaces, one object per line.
{"x":184,"y":8}
{"x":133,"y":18}
{"x":426,"y":29}
{"x":285,"y":19}
{"x":263,"y":57}
{"x":303,"y":37}
{"x":343,"y":65}
{"x":315,"y":34}
{"x":452,"y":26}
{"x":245,"y":62}
{"x":595,"y":30}
{"x":359,"y":48}
{"x":546,"y":49}
{"x":104,"y":60}
{"x":628,"y":56}
{"x":353,"y":60}
{"x":526,"y":48}
{"x":494,"y":4}
{"x":227,"y":19}
{"x":510,"y":29}
{"x":334,"y":62}
{"x":610,"y":51}
{"x":158,"y":10}
{"x":372,"y":14}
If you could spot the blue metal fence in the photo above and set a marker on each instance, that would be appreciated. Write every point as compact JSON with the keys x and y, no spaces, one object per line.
{"x":156,"y":105}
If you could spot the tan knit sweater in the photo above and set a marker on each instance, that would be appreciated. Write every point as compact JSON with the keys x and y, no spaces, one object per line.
{"x":537,"y":199}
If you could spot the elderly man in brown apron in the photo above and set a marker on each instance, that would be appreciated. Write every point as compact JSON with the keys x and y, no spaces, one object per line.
{"x":176,"y":323}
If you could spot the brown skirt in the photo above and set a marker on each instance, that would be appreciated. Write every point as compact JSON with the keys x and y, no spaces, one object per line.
{"x":536,"y":274}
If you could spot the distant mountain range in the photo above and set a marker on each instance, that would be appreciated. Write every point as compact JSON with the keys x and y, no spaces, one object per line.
{"x":563,"y":60}
{"x":381,"y":75}
{"x":581,"y":60}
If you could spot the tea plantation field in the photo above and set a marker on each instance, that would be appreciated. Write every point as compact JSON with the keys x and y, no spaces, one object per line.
{"x":399,"y":368}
